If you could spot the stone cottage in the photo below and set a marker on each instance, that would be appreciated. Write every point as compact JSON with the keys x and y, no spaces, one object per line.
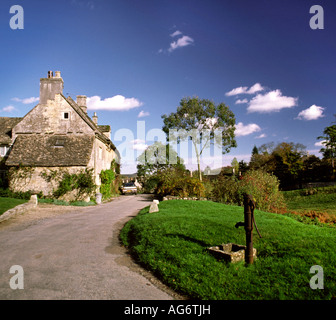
{"x":57,"y":135}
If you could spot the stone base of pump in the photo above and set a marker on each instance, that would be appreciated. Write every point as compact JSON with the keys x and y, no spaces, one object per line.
{"x":230,"y":252}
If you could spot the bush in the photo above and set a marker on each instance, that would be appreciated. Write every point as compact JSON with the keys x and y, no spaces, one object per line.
{"x":176,"y":183}
{"x":17,"y":195}
{"x":208,"y":188}
{"x":82,"y":182}
{"x":264,"y":188}
{"x":226,"y":190}
{"x":151,"y":184}
{"x":107,"y":182}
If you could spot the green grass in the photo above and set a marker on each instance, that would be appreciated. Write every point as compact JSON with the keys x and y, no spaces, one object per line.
{"x":324,"y":200}
{"x":66,"y":203}
{"x":173,"y":244}
{"x":9,"y":203}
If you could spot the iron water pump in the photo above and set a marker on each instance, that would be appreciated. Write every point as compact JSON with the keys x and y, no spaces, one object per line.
{"x":249,"y":206}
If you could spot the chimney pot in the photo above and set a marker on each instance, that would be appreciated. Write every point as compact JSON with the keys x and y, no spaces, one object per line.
{"x":95,"y":119}
{"x":50,"y":86}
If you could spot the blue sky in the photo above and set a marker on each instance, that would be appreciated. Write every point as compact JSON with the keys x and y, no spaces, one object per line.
{"x":136,"y":60}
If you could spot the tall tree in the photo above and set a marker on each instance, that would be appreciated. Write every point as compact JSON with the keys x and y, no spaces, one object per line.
{"x":329,"y":141}
{"x":284,"y":160}
{"x":203,"y":122}
{"x":156,"y":158}
{"x":255,"y":150}
{"x":288,"y":162}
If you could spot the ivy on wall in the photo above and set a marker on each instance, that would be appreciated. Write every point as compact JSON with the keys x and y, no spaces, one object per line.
{"x":82,"y":182}
{"x":110,"y":180}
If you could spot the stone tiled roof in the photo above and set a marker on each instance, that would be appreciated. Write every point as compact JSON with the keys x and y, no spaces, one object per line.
{"x":88,"y":120}
{"x":104,"y":128}
{"x":6,"y":125}
{"x":51,"y":150}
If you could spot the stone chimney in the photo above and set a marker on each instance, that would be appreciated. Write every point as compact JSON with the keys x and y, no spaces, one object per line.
{"x":95,"y":119}
{"x":50,"y":86}
{"x":81,"y":102}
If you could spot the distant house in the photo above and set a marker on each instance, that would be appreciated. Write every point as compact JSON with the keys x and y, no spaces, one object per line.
{"x":56,"y":134}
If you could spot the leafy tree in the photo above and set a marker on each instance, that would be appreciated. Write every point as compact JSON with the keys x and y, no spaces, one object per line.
{"x":285,"y":160}
{"x":203,"y":122}
{"x":255,"y":150}
{"x":266,"y":148}
{"x":243,"y":166}
{"x":329,"y":141}
{"x":289,"y":158}
{"x":262,"y":157}
{"x":156,"y":158}
{"x":314,"y":169}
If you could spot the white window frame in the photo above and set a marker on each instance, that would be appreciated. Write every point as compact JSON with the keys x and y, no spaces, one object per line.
{"x":63,"y":115}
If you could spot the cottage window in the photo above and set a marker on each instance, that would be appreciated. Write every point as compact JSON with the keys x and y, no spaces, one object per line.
{"x":3,"y":150}
{"x":66,"y":115}
{"x":100,"y":154}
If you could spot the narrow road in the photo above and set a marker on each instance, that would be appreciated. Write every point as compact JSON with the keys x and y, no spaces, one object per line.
{"x":76,"y":255}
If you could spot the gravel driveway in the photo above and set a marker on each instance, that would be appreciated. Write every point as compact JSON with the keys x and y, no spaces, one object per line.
{"x":74,"y":253}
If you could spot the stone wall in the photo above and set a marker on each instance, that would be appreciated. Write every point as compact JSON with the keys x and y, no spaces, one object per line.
{"x":49,"y":119}
{"x":32,"y":203}
{"x":36,"y":179}
{"x":101,"y":159}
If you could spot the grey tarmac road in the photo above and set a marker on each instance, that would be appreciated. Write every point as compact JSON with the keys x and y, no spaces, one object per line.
{"x":76,"y":255}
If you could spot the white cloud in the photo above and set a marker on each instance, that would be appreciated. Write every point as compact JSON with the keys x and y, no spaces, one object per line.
{"x":116,"y":103}
{"x":271,"y":102}
{"x":320,"y":143}
{"x":239,"y":90}
{"x":27,"y":100}
{"x":135,"y":141}
{"x":242,"y":130}
{"x":8,"y":109}
{"x":241,"y":101}
{"x":263,"y":135}
{"x":176,"y":33}
{"x":255,"y":88}
{"x":139,"y":144}
{"x":312,"y":113}
{"x":181,"y":42}
{"x":245,"y":90}
{"x":143,"y":114}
